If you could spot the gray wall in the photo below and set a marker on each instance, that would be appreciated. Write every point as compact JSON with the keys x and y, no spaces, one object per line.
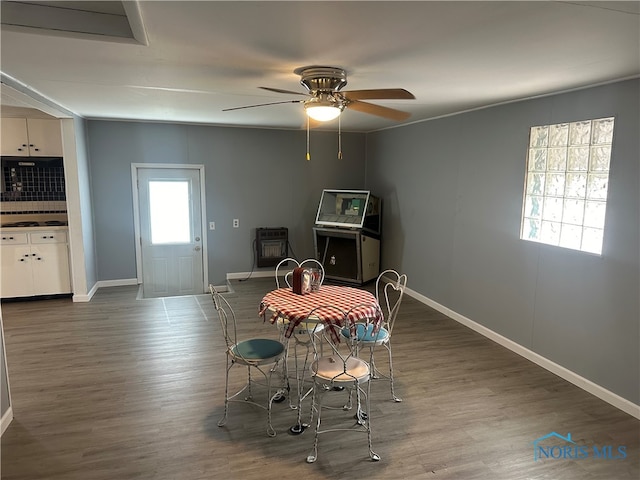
{"x":452,"y":190}
{"x":259,"y":176}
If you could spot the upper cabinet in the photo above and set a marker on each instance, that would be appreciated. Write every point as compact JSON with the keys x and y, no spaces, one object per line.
{"x":31,"y":137}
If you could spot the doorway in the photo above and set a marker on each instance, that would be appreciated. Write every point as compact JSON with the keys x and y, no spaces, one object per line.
{"x":170,"y":239}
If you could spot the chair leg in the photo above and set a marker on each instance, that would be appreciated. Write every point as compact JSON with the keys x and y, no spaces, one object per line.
{"x":373,"y":455}
{"x":276,"y":396}
{"x":285,"y":391}
{"x":375,"y":374}
{"x":317,"y":408}
{"x":270,"y":430}
{"x":249,"y":397}
{"x":223,"y":420}
{"x":285,"y":366}
{"x":300,"y":427}
{"x":285,"y":369}
{"x":361,"y":416}
{"x":271,"y":396}
{"x":393,"y":392}
{"x":287,"y":342}
{"x":349,"y":405}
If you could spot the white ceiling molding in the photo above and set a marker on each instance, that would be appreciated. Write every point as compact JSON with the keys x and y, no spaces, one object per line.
{"x":16,"y":95}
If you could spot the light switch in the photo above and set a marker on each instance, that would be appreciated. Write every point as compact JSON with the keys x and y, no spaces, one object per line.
{"x":212,"y":225}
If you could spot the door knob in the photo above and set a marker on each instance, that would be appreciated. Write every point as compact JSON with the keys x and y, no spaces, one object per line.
{"x":197,"y":249}
{"x":197,"y":239}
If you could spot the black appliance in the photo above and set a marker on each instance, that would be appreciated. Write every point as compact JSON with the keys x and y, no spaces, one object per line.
{"x":272,"y":246}
{"x":347,"y":235}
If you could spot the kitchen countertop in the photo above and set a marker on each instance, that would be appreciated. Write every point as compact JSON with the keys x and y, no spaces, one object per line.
{"x":43,"y":228}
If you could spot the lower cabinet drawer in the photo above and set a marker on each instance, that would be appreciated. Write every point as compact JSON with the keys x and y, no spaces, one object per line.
{"x":13,"y":238}
{"x":48,"y":237}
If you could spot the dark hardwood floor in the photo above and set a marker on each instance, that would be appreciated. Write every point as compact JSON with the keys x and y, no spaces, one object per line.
{"x":120,"y":388}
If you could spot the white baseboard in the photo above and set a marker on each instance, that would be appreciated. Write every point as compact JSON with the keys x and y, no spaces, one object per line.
{"x":223,"y":288}
{"x":87,"y":297}
{"x":134,"y":281}
{"x":116,"y":283}
{"x":572,"y":377}
{"x":102,"y":284}
{"x":6,"y":419}
{"x":243,"y":275}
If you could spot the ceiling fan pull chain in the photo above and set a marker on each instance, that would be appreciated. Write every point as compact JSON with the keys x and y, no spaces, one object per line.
{"x":339,"y":139}
{"x":308,"y":154}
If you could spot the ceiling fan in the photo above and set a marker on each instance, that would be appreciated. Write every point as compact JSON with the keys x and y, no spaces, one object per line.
{"x":326,"y":100}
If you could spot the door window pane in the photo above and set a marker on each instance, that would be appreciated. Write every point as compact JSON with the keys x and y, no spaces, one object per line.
{"x":170,"y":217}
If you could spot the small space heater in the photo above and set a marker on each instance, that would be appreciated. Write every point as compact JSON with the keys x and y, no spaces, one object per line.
{"x":272,"y":246}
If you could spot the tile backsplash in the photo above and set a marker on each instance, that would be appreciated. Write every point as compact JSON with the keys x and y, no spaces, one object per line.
{"x":12,"y":208}
{"x":32,"y":189}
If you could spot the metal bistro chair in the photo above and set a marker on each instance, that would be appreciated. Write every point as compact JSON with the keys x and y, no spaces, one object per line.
{"x":260,"y":354}
{"x":390,"y":287}
{"x":339,"y":369}
{"x":299,"y":337}
{"x":309,"y":262}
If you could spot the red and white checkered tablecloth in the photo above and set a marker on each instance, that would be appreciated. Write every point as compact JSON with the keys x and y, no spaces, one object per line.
{"x":283,"y":303}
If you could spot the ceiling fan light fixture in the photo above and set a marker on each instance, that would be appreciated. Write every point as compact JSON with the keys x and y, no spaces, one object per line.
{"x":323,"y":107}
{"x":323,"y":113}
{"x":326,"y":100}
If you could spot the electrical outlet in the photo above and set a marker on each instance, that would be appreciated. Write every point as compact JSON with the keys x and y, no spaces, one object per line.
{"x":236,"y":223}
{"x":212,"y":225}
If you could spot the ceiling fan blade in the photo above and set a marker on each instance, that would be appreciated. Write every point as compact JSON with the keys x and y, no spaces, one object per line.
{"x":262,"y":105}
{"x":379,"y":94}
{"x":279,"y":90}
{"x":386,"y":112}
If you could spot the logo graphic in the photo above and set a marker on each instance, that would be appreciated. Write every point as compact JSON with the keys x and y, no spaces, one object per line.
{"x":556,"y":447}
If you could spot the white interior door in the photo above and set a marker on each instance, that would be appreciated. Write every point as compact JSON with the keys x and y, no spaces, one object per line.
{"x":170,"y":231}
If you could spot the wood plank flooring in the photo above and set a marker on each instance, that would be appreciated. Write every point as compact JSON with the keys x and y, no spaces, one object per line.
{"x":120,"y":388}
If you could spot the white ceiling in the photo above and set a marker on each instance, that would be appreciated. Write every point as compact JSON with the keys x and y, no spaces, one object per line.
{"x":205,"y":56}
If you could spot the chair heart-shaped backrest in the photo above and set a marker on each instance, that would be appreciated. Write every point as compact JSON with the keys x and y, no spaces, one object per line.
{"x":390,"y":287}
{"x":287,"y":276}
{"x":311,"y":262}
{"x":227,"y":317}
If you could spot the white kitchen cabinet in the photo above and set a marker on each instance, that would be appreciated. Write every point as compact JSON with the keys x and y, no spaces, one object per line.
{"x":14,"y":137}
{"x":34,"y":263}
{"x":31,"y":137}
{"x":16,"y":279}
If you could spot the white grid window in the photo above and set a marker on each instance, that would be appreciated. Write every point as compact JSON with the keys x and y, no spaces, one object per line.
{"x":566,"y":184}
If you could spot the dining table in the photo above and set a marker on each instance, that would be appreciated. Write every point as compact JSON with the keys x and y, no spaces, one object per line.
{"x":326,"y":304}
{"x":331,"y":305}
